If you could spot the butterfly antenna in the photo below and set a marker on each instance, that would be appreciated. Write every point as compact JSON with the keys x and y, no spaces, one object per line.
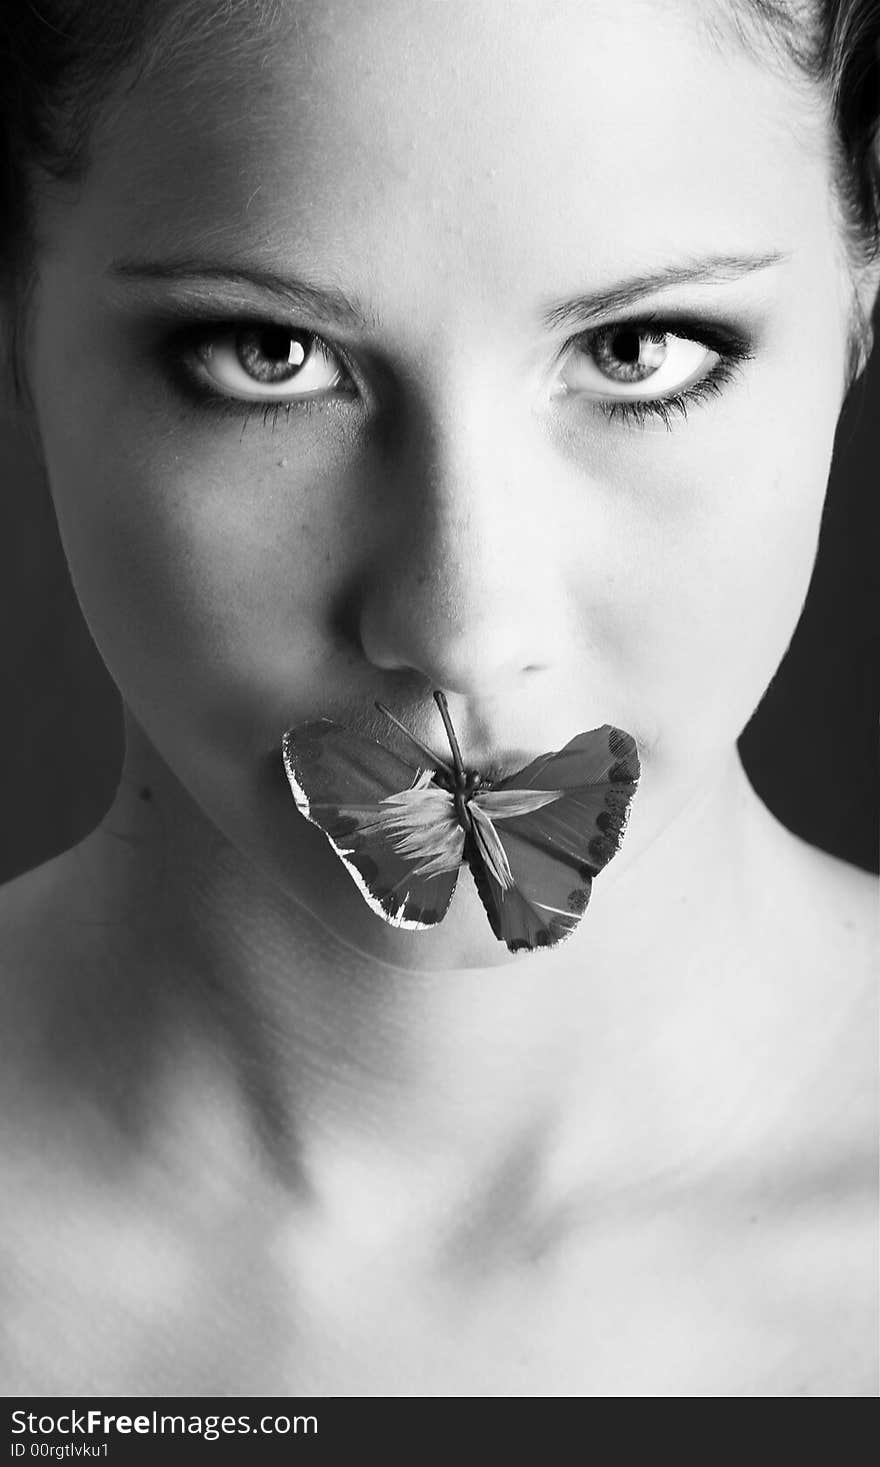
{"x":423,"y":749}
{"x":440,"y":700}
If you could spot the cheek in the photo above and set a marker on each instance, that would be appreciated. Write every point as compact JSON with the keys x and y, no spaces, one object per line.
{"x":209,"y":566}
{"x":726,"y":540}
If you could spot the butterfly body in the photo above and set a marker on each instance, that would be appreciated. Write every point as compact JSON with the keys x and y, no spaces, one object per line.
{"x":533,"y":841}
{"x":465,"y":786}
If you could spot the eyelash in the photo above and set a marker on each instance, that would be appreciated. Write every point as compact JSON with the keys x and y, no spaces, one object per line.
{"x":269,"y":411}
{"x":733,"y":348}
{"x":667,"y":408}
{"x":731,"y":345}
{"x":180,"y":348}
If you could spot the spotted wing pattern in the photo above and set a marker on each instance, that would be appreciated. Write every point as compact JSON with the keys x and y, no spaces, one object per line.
{"x":555,"y":851}
{"x":339,"y":780}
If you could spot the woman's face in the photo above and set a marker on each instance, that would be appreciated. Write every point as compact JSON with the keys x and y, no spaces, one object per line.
{"x":484,"y":347}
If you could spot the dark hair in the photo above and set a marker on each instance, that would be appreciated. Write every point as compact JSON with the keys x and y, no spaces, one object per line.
{"x":835,"y":45}
{"x":60,"y":58}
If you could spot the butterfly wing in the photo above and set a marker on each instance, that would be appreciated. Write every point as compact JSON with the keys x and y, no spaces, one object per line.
{"x":339,"y":779}
{"x":554,"y":852}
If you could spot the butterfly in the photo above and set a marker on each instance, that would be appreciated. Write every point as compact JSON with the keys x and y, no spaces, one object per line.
{"x":533,"y":842}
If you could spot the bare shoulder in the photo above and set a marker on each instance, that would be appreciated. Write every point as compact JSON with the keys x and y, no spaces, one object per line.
{"x":842,"y":918}
{"x":829,"y":913}
{"x":848,"y":890}
{"x":41,"y":927}
{"x":819,"y":943}
{"x":62,"y":976}
{"x":93,"y":1185}
{"x":29,"y":910}
{"x":827,"y":905}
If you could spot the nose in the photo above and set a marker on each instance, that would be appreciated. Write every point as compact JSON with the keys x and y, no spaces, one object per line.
{"x":468,"y":587}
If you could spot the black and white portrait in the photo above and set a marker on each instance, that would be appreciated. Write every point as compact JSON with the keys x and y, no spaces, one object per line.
{"x":438,"y":921}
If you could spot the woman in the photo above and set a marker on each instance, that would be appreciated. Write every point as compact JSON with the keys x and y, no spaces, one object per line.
{"x":379,"y":350}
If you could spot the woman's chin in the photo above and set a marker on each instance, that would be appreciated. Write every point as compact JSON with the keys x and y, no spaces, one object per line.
{"x":463,"y":940}
{"x":300,"y":863}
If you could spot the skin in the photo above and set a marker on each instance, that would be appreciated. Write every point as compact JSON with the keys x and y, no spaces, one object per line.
{"x":631,"y":1165}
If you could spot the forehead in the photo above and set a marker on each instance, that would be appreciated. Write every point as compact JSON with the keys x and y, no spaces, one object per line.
{"x":512,"y":146}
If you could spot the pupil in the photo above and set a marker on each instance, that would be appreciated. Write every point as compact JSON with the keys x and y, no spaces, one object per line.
{"x":277,"y":345}
{"x":630,"y":354}
{"x":271,"y":354}
{"x":627,"y":346}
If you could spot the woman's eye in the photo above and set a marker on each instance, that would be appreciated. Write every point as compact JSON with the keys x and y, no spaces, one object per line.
{"x":635,"y":361}
{"x":267,"y":363}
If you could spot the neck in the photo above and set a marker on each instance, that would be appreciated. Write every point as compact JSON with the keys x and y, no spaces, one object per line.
{"x":339,"y":1052}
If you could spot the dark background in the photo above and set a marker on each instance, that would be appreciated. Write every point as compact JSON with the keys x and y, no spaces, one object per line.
{"x":810,"y":750}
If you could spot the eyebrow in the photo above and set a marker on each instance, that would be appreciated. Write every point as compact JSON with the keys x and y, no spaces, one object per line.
{"x":714,"y":270}
{"x":331,"y":303}
{"x":326,"y":301}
